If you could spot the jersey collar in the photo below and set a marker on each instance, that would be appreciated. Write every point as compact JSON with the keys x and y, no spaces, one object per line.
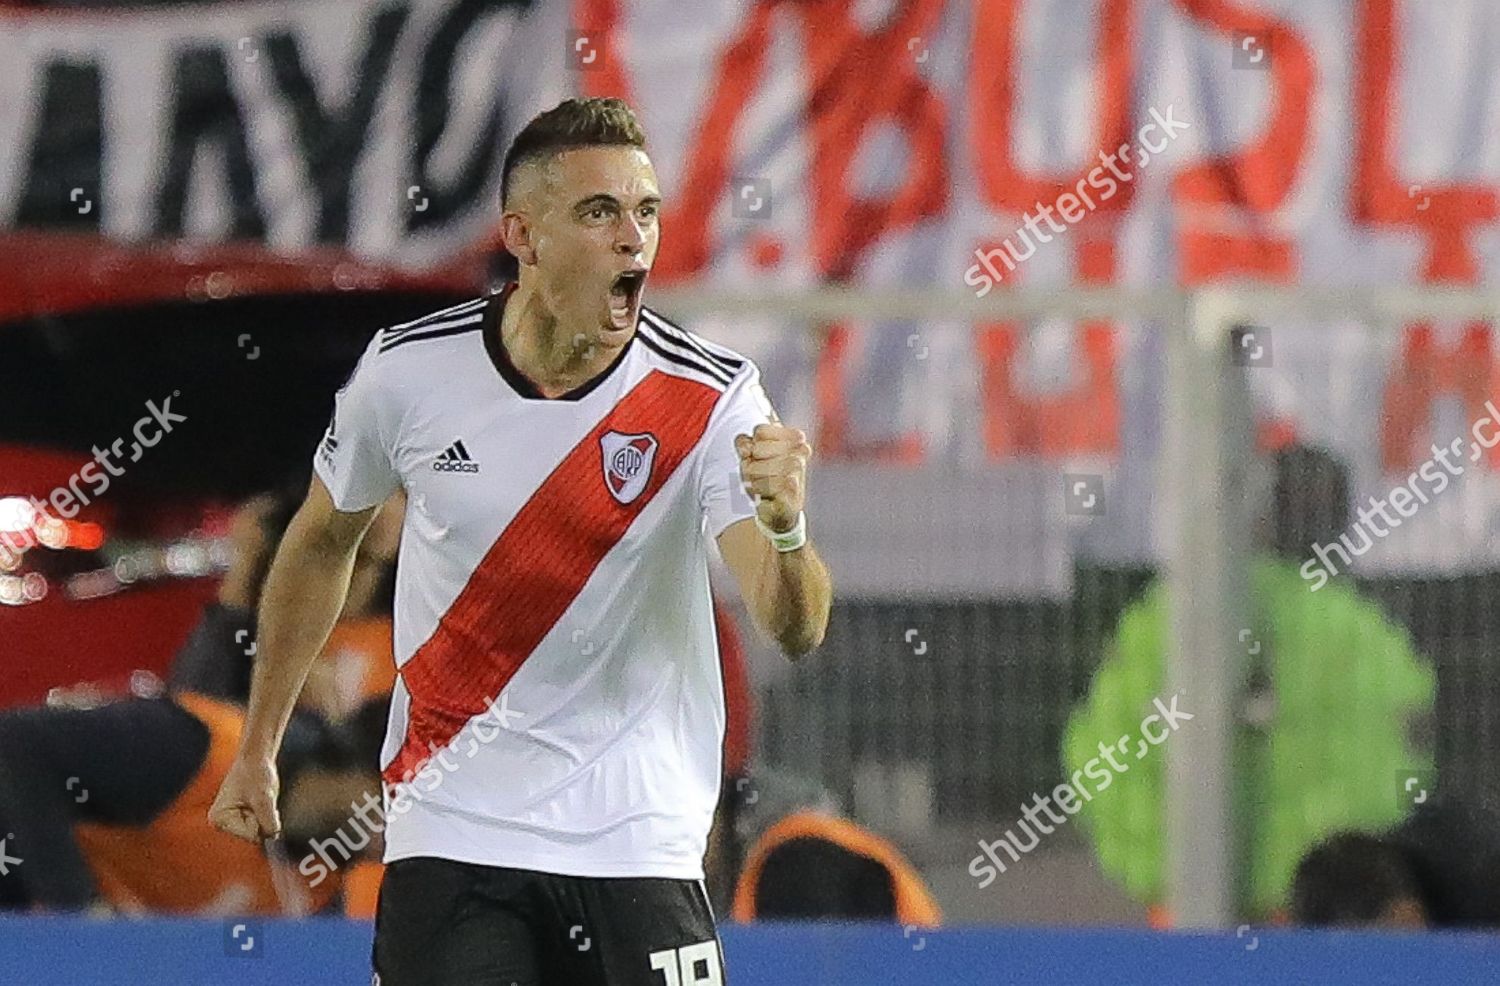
{"x":494,"y":310}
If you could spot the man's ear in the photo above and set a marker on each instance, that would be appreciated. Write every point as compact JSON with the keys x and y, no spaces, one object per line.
{"x":515,"y":231}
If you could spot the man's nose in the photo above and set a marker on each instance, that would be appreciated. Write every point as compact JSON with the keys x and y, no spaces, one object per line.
{"x":630,"y":238}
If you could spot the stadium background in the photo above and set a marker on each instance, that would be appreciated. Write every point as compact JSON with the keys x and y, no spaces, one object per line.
{"x":226,"y":198}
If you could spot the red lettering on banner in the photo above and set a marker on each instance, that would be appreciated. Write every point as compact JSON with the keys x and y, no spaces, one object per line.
{"x":1252,"y":183}
{"x":857,"y":82}
{"x":1002,"y":182}
{"x":1258,"y":178}
{"x":596,"y":56}
{"x":1445,"y":217}
{"x":834,"y":437}
{"x":1082,"y":421}
{"x":1421,"y":374}
{"x":1085,"y":419}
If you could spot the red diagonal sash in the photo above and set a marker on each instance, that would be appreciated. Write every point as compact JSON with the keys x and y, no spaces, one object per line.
{"x":538,"y":565}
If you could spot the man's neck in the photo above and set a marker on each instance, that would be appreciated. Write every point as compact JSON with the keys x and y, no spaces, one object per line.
{"x":554,"y":359}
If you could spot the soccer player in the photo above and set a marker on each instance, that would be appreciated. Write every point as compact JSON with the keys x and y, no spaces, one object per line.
{"x":552,"y":760}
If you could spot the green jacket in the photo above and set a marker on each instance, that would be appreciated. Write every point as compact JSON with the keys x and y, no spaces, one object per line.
{"x":1347,"y":685}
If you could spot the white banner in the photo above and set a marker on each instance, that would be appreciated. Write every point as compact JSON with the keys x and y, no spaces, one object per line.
{"x":372,"y":125}
{"x":970,"y":146}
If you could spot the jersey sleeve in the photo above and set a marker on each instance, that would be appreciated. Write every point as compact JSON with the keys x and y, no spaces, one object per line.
{"x":722,"y":494}
{"x":353,"y":459}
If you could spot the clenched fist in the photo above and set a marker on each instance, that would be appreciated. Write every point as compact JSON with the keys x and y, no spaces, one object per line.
{"x":773,"y":467}
{"x":246,"y":804}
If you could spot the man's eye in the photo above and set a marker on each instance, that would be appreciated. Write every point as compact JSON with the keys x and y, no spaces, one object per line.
{"x":649,"y":211}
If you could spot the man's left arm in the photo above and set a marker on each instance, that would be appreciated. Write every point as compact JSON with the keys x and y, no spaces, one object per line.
{"x":787,"y":589}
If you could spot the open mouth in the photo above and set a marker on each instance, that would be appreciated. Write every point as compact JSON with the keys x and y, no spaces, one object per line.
{"x":625,"y":297}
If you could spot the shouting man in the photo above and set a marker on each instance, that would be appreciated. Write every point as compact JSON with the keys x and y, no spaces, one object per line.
{"x":552,"y":758}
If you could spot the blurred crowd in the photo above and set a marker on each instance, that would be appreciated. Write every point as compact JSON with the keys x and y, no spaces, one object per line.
{"x":104,"y":800}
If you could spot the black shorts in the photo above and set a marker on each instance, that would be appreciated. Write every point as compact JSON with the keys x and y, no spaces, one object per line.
{"x":442,"y":923}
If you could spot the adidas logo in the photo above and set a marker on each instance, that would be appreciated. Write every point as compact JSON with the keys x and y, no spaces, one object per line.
{"x":455,"y":458}
{"x":330,"y":445}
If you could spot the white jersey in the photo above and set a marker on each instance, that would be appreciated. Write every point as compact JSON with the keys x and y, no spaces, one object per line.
{"x":559,"y":705}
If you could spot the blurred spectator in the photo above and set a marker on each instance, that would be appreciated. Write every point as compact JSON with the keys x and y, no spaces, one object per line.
{"x":749,"y":804}
{"x":1439,"y":868}
{"x":779,"y":849}
{"x":1454,"y":849}
{"x":812,"y":866}
{"x":1357,"y":880}
{"x":357,"y":662}
{"x":1333,"y":697}
{"x":360,"y":886}
{"x":106,"y":808}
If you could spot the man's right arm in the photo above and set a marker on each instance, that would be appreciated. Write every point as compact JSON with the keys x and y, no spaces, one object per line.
{"x":299,"y":605}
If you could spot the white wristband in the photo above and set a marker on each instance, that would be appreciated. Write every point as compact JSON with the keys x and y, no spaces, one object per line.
{"x":790,"y":540}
